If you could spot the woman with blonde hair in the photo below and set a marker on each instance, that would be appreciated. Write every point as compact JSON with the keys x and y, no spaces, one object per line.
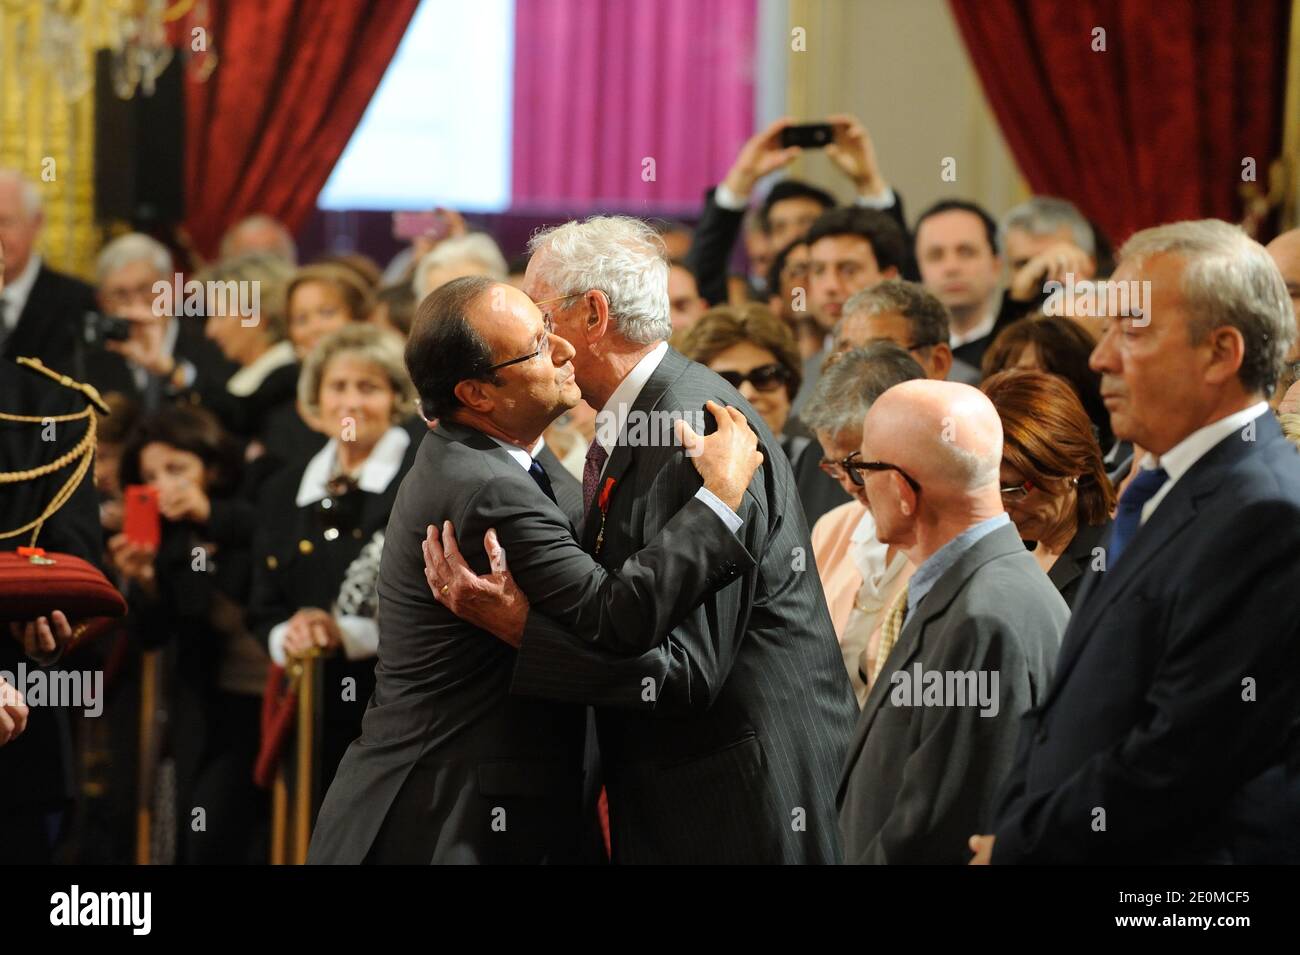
{"x":320,"y":530}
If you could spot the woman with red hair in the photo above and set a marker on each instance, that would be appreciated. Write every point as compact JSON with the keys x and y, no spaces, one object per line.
{"x":1054,"y":483}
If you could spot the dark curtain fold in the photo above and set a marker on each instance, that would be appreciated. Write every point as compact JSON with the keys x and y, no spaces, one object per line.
{"x":1154,"y":128}
{"x":293,"y":80}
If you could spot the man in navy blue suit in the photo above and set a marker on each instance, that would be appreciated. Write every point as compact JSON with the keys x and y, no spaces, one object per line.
{"x":1170,"y":733}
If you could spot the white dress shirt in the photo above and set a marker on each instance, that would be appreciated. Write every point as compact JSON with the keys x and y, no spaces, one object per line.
{"x":985,"y":327}
{"x":1179,"y":459}
{"x":726,"y":199}
{"x":17,"y":290}
{"x":611,"y":420}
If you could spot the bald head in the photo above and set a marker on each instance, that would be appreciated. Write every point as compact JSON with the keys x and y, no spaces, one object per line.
{"x":945,"y":435}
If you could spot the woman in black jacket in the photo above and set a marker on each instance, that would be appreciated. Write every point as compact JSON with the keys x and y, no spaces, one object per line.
{"x":1055,"y":486}
{"x":320,"y":526}
{"x":188,"y":596}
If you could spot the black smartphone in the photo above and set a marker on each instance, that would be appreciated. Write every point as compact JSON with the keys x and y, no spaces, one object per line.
{"x":98,"y":328}
{"x":807,"y":136}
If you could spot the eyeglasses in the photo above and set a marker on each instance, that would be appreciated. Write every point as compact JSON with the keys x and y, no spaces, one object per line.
{"x":923,"y":345}
{"x":543,"y":345}
{"x":854,"y":468}
{"x":1017,"y":492}
{"x":763,"y":378}
{"x":552,"y":301}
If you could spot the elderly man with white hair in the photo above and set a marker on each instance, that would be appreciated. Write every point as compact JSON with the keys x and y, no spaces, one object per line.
{"x":747,"y":773}
{"x":966,"y":648}
{"x":472,"y":254}
{"x":41,"y":310}
{"x":163,"y":353}
{"x":1172,"y":731}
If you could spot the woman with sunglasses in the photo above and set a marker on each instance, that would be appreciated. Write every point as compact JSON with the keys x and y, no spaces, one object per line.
{"x":320,"y":525}
{"x":1054,"y":483}
{"x":756,"y":354}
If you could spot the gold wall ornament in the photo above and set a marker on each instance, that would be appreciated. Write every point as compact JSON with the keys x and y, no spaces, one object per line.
{"x":47,"y":102}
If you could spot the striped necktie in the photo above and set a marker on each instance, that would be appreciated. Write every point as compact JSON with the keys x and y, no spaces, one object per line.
{"x":889,"y":631}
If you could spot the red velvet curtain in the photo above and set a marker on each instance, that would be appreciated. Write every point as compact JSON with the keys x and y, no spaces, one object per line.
{"x":1155,"y":128}
{"x":293,"y":80}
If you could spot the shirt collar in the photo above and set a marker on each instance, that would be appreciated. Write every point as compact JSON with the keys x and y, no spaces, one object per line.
{"x":524,"y":458}
{"x":1179,"y":459}
{"x":984,"y":328}
{"x":376,"y":474}
{"x":938,"y":563}
{"x":612,"y":418}
{"x":18,"y":289}
{"x":249,"y":378}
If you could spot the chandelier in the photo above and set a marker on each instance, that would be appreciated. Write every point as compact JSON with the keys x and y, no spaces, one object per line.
{"x":59,"y":37}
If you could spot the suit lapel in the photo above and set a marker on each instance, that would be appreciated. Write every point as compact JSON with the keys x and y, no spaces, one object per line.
{"x":999,"y":543}
{"x":24,"y":339}
{"x":1179,"y":509}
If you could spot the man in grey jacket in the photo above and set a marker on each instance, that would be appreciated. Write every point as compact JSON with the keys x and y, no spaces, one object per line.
{"x":967,"y":648}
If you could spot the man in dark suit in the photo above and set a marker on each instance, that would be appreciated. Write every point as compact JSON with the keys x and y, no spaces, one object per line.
{"x":451,"y":767}
{"x":41,"y":310}
{"x":742,"y":766}
{"x":166,"y":353}
{"x":1171,"y":733}
{"x":967,"y":647}
{"x":956,"y":244}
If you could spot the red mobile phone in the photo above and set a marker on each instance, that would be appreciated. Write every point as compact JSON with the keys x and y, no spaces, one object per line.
{"x":141,"y":523}
{"x":413,"y":225}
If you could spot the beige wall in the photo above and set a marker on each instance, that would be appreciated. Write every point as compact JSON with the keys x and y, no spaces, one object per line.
{"x":900,"y":66}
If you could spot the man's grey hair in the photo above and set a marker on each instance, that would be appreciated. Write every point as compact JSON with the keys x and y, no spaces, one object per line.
{"x":1228,"y":279}
{"x":850,"y":385}
{"x":476,"y":247}
{"x":286,"y":248}
{"x":27,"y":191}
{"x":131,"y":248}
{"x":1047,"y":215}
{"x":926,"y":315}
{"x":618,"y":255}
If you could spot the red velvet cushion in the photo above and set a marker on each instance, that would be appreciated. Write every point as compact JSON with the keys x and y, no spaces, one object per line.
{"x":32,"y":589}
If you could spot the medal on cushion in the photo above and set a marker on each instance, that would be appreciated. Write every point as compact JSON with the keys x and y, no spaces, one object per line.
{"x":603,"y":503}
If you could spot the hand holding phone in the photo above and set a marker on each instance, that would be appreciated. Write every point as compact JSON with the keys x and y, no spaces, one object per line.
{"x":141,"y":524}
{"x":434,"y":225}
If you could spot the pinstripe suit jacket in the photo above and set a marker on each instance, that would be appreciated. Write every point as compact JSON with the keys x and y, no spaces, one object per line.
{"x":724,"y":744}
{"x":449,"y":767}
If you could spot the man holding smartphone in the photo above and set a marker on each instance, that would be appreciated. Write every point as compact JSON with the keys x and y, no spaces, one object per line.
{"x":791,"y":206}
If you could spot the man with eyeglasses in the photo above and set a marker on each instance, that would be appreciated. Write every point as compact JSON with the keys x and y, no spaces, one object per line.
{"x":452,"y":766}
{"x":978,"y":621}
{"x":908,"y":315}
{"x":748,"y":774}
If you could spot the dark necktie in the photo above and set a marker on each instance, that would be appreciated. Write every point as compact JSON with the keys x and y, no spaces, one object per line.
{"x":595,"y":463}
{"x":1128,"y":516}
{"x":538,"y":474}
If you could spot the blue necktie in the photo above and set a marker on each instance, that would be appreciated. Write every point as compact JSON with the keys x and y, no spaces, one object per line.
{"x":539,"y":475}
{"x":1128,"y":516}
